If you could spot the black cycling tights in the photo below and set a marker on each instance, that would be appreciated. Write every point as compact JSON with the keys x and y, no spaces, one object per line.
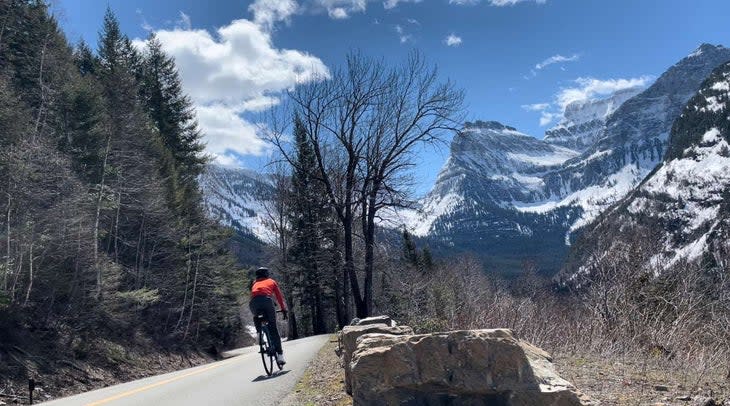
{"x":264,"y":305}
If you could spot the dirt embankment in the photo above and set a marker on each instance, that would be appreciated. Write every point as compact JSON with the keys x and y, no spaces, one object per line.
{"x":62,"y":363}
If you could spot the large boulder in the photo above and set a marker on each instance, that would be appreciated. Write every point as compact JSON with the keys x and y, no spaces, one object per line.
{"x":350,"y":334}
{"x":374,"y":320}
{"x":474,"y":367}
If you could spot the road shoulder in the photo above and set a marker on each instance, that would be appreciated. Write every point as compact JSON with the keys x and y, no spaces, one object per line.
{"x":323,"y":382}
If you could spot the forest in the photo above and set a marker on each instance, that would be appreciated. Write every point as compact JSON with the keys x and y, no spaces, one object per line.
{"x":104,"y":229}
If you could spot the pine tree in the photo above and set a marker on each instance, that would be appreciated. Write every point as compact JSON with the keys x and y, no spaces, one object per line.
{"x":174,"y":116}
{"x":85,"y":60}
{"x":111,"y":43}
{"x":410,"y":252}
{"x":309,"y":217}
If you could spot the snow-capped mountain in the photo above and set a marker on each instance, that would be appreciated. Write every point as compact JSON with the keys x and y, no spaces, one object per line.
{"x":583,"y":121}
{"x":237,"y":197}
{"x":512,"y":197}
{"x":683,"y":207}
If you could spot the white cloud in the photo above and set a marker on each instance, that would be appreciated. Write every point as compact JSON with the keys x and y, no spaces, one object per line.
{"x":388,"y":4}
{"x":452,"y":40}
{"x":340,"y":9}
{"x":536,"y":106}
{"x":586,"y":89}
{"x":589,"y":88}
{"x":226,"y":132}
{"x":234,"y":71}
{"x":268,"y":12}
{"x":556,"y":59}
{"x":402,"y":36}
{"x":338,"y":13}
{"x":547,"y":117}
{"x":498,"y":3}
{"x":184,"y":21}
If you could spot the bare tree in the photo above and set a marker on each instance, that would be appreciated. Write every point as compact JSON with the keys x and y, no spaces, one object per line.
{"x":277,"y":221}
{"x":365,"y":122}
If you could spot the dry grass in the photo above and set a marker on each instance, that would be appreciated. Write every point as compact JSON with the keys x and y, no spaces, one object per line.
{"x":323,"y":383}
{"x":634,"y":379}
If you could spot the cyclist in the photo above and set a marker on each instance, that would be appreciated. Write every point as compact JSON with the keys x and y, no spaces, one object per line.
{"x":262,"y":290}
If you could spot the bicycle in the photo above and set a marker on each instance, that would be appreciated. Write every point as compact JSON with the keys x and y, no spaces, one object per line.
{"x":266,"y":348}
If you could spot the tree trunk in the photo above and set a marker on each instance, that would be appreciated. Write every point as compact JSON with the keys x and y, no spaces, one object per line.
{"x":195,"y":285}
{"x":319,"y":324}
{"x":40,"y":84}
{"x":15,"y":279}
{"x":75,"y":280}
{"x":7,"y":249}
{"x":291,"y":325}
{"x":189,"y":266}
{"x":139,"y":257}
{"x":30,"y":274}
{"x":360,"y":309}
{"x":116,"y":221}
{"x":97,"y":216}
{"x":369,"y":254}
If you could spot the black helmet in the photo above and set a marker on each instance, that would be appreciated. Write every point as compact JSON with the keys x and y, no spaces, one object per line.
{"x":262,"y":272}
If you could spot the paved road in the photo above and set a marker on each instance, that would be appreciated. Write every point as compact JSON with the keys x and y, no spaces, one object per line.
{"x":235,"y":381}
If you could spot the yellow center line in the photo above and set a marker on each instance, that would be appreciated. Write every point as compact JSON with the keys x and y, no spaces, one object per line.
{"x":156,"y":384}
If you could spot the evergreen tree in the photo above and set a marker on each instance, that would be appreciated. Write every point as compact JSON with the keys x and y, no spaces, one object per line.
{"x":410,"y":252}
{"x":173,"y":114}
{"x":85,"y":60}
{"x":309,"y":217}
{"x":111,"y":43}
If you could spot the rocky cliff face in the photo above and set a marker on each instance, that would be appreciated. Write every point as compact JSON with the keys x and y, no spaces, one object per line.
{"x":683,"y":206}
{"x":584,"y":121}
{"x":511,"y":197}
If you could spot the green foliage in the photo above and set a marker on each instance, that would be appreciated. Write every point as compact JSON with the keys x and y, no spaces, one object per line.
{"x":140,"y":298}
{"x":410,"y":252}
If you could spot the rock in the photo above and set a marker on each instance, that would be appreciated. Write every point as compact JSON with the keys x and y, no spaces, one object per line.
{"x":704,"y":401}
{"x":661,"y":388}
{"x":349,"y":336}
{"x":474,"y":367}
{"x":684,"y":398}
{"x":374,"y":320}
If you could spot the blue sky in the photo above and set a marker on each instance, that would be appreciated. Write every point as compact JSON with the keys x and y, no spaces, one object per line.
{"x":519,"y":61}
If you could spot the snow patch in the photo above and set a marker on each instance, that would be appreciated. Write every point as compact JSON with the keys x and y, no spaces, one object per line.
{"x":419,"y":222}
{"x":713,"y":104}
{"x":559,"y":156}
{"x":721,"y":86}
{"x":711,"y":136}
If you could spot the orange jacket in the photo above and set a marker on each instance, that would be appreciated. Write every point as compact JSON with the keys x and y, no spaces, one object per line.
{"x":268,"y":287}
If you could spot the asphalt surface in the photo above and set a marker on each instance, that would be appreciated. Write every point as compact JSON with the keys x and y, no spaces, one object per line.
{"x":239,"y":380}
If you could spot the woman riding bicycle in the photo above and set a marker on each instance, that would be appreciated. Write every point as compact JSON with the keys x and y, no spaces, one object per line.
{"x":262,"y":303}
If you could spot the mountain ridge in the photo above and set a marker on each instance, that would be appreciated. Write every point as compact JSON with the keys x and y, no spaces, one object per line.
{"x":497,"y":202}
{"x":682,"y":207}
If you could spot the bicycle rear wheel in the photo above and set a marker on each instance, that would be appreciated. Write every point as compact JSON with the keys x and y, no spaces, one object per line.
{"x":267,"y":350}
